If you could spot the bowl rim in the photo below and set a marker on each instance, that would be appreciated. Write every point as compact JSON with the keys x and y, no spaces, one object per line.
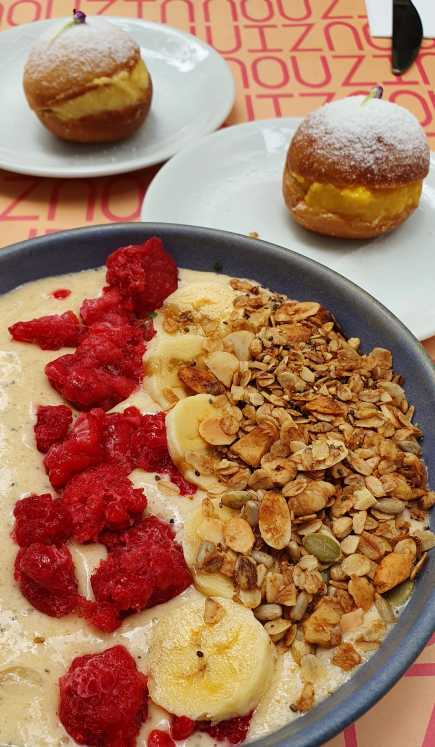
{"x":322,"y":722}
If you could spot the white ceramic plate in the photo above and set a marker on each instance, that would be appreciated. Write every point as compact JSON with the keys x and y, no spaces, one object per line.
{"x":232,"y":180}
{"x":193,"y":94}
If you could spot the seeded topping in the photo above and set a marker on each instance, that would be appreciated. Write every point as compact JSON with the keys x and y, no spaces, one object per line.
{"x":320,"y":495}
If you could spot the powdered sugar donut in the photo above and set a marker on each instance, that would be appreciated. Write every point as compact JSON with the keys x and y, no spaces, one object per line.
{"x":355,"y":168}
{"x":87,"y":82}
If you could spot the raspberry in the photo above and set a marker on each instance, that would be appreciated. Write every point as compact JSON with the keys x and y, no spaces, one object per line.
{"x":45,"y":575}
{"x":102,"y":497}
{"x":118,"y":431}
{"x":105,"y":369}
{"x":82,"y":448}
{"x":149,"y":570}
{"x":150,"y":530}
{"x":40,"y":518}
{"x":149,"y":450}
{"x":144,"y":274}
{"x":111,"y":307}
{"x":52,"y":423}
{"x":49,"y":332}
{"x":103,"y":699}
{"x":102,"y":616}
{"x":159,"y":738}
{"x":234,"y":730}
{"x":61,"y":293}
{"x":136,"y":440}
{"x":182,"y":727}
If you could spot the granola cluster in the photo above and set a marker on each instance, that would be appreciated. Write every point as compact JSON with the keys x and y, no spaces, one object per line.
{"x":319,"y":460}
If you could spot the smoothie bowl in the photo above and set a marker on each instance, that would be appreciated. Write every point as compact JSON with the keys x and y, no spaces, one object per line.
{"x":215,"y":492}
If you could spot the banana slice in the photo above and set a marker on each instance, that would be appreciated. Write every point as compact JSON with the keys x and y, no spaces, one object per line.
{"x":164,"y":356}
{"x":185,"y":443}
{"x":209,"y":670}
{"x":196,"y":529}
{"x":212,"y":297}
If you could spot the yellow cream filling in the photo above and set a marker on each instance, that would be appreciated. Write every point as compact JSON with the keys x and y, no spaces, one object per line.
{"x":108,"y":94}
{"x":360,"y":202}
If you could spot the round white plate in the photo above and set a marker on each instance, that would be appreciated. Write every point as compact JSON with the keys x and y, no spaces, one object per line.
{"x":193,"y":95}
{"x":232,"y":180}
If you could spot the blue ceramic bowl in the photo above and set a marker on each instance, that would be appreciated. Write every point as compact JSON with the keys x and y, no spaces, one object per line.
{"x":360,"y":316}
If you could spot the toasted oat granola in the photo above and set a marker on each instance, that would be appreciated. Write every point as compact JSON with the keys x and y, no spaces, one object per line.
{"x":320,"y":459}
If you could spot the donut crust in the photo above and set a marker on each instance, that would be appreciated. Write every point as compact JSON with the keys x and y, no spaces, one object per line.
{"x":69,"y":64}
{"x":305,"y":158}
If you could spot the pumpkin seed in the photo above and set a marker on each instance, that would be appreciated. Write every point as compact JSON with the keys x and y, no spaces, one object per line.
{"x":266,"y":612}
{"x":384,"y":608}
{"x":323,"y":547}
{"x":235,"y":498}
{"x":390,"y":506}
{"x":250,"y":513}
{"x":262,"y":557}
{"x":400,"y":594}
{"x":300,"y":607}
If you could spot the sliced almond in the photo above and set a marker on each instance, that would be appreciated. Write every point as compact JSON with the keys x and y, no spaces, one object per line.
{"x":325,"y":405}
{"x":356,"y":565}
{"x":211,"y":530}
{"x":362,"y":592}
{"x":306,"y":461}
{"x":199,"y":380}
{"x":223,"y":365}
{"x":277,"y":628}
{"x":239,"y":343}
{"x":320,"y":627}
{"x":238,"y":535}
{"x":274,"y":520}
{"x":254,"y":445}
{"x":212,"y":432}
{"x":313,"y":498}
{"x":287,"y":595}
{"x":250,"y":598}
{"x":350,"y":544}
{"x":392,"y":570}
{"x":352,"y":620}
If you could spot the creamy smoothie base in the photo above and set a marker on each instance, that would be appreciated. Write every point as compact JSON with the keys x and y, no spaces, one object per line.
{"x":35,"y":650}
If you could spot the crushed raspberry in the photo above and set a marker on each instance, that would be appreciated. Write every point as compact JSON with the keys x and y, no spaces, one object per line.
{"x":150,"y":530}
{"x":102,"y":616}
{"x":46,"y":577}
{"x":144,"y":274}
{"x":118,"y":431}
{"x":61,"y":293}
{"x":49,"y":332}
{"x":149,"y":450}
{"x":41,"y":518}
{"x":102,"y":497}
{"x":234,"y":730}
{"x":182,"y":727}
{"x":149,"y":447}
{"x":149,"y":570}
{"x":109,"y":307}
{"x":159,"y":738}
{"x":104,"y":370}
{"x":104,"y":699}
{"x":82,"y":448}
{"x":137,"y":440}
{"x":52,"y":424}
